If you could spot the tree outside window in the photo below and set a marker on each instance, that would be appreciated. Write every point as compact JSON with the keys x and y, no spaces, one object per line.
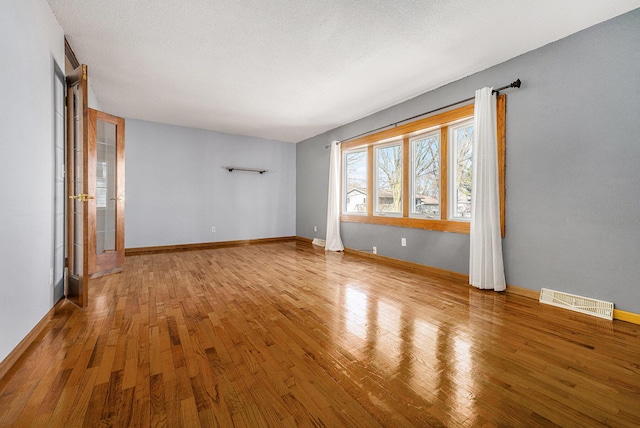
{"x":389,"y":179}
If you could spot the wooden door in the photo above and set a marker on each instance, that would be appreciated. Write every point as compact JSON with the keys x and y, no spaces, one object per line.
{"x":106,"y":182}
{"x":77,"y":173}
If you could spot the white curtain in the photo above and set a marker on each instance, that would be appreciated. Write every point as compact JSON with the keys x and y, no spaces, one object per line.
{"x":486,"y":268}
{"x":333,"y":240}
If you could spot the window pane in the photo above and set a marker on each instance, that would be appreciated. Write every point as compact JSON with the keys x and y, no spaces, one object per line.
{"x":389,"y":179}
{"x":355,"y":179}
{"x":425,"y":197}
{"x":462,"y":169}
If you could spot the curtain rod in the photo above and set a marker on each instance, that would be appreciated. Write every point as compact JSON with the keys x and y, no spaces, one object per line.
{"x":515,"y":84}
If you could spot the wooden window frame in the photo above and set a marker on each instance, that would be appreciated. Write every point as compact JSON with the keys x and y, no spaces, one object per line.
{"x":442,"y":121}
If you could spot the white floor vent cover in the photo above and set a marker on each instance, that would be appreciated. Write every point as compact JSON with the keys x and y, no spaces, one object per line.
{"x":319,"y":242}
{"x":585,"y":305}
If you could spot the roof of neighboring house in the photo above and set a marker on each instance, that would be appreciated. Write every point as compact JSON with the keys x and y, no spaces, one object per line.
{"x":354,"y":190}
{"x":428,"y":200}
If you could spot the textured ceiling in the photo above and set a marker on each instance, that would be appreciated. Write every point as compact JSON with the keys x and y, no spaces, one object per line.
{"x":289,"y":70}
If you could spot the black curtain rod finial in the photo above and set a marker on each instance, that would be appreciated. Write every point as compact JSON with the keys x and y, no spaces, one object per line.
{"x":515,"y":84}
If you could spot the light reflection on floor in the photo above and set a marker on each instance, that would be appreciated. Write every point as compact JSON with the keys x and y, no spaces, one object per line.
{"x":433,"y":361}
{"x":355,"y":309}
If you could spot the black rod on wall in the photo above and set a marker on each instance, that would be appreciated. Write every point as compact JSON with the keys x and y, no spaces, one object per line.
{"x":515,"y":84}
{"x":235,"y":168}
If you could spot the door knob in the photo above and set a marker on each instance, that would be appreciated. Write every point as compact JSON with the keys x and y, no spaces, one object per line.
{"x":83,"y":197}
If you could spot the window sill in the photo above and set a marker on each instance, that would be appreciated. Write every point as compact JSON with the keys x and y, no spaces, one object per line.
{"x":415,"y":223}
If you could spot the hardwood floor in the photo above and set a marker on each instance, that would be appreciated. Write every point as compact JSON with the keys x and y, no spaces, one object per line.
{"x":287,"y":335}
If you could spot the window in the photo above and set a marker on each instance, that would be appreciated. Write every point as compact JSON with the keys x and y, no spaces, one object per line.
{"x":388,"y":179}
{"x":417,"y":174}
{"x":354,"y":195}
{"x":461,"y":138}
{"x":425,"y":175}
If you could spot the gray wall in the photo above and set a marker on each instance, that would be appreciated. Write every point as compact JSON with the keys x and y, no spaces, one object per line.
{"x":573,"y":150}
{"x":177,"y":188}
{"x":31,"y":44}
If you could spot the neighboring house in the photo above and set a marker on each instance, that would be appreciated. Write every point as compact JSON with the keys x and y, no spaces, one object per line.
{"x":423,"y":204}
{"x":356,"y":201}
{"x":427,"y":205}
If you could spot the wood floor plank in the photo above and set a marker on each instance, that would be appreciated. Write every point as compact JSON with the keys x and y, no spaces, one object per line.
{"x":284,"y":334}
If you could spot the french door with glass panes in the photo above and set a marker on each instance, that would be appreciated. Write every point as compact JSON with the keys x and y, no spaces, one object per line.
{"x":106,"y":172}
{"x":95,"y":190}
{"x":77,"y":188}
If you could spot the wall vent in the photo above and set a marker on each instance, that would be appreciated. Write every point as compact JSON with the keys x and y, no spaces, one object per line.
{"x":585,"y":305}
{"x":319,"y":242}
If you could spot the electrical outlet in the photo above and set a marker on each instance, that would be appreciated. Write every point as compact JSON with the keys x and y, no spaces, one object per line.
{"x":375,"y":250}
{"x":315,"y":228}
{"x":404,"y":242}
{"x":213,"y":229}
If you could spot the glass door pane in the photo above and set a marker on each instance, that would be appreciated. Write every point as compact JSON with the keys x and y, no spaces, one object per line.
{"x":106,"y":182}
{"x":106,"y":195}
